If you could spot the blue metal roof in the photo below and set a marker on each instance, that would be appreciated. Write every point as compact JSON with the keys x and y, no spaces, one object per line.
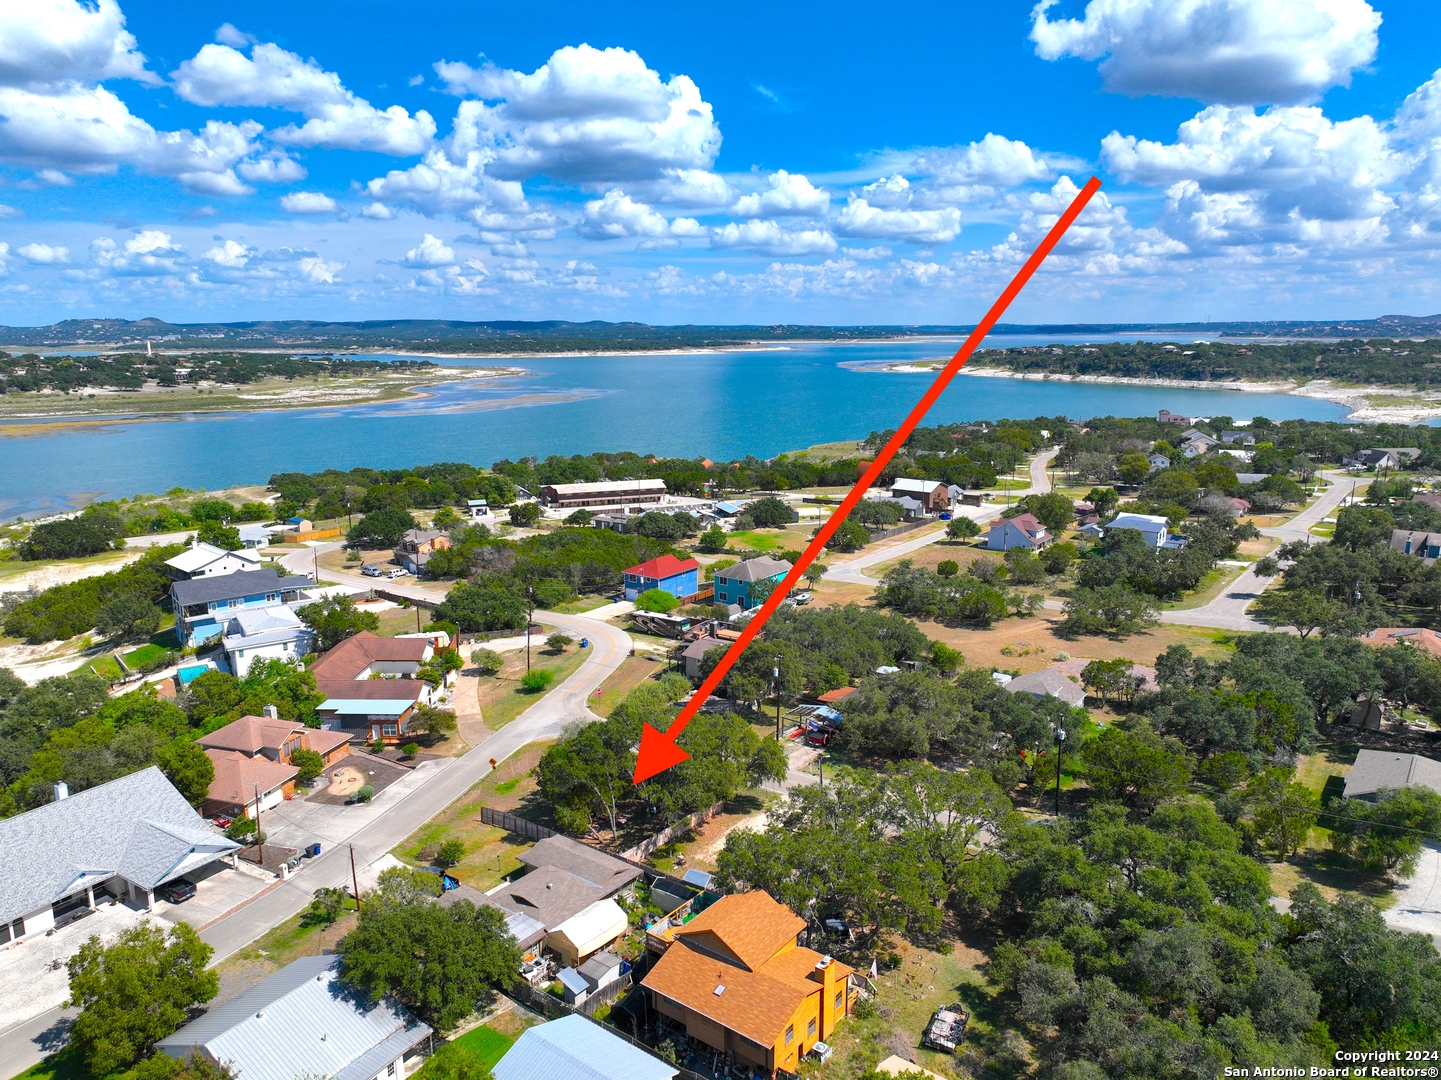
{"x":575,"y":1048}
{"x":697,"y":877}
{"x":573,"y":981}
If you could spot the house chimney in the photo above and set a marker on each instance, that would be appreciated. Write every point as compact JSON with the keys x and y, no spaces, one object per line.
{"x":826,"y":969}
{"x":270,"y":712}
{"x":62,"y":790}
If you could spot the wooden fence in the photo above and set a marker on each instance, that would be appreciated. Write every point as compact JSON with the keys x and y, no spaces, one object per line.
{"x":660,"y":839}
{"x":518,"y":825}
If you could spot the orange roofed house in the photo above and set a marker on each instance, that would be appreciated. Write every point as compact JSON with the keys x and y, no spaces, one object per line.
{"x":736,"y":979}
{"x":252,"y":761}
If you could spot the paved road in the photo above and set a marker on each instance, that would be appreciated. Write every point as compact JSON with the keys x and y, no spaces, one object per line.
{"x":852,"y":570}
{"x":1228,"y":611}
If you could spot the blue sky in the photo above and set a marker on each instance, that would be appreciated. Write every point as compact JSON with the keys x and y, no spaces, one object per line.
{"x":797,"y":163}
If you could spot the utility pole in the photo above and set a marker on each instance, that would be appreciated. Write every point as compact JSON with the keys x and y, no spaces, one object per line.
{"x":777,"y":674}
{"x":354,"y":879}
{"x":1060,"y":740}
{"x":259,"y":836}
{"x":529,"y":618}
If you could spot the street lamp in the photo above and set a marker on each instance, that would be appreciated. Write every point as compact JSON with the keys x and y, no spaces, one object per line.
{"x":777,"y":673}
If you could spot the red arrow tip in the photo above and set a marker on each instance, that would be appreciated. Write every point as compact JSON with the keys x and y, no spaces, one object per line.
{"x":658,"y":752}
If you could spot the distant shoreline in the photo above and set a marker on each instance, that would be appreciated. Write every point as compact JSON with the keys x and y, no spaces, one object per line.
{"x":1368,"y":404}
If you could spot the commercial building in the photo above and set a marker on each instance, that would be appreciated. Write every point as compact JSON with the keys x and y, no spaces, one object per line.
{"x":303,"y":1021}
{"x":603,"y":493}
{"x":935,"y":494}
{"x":736,"y":978}
{"x":122,"y":839}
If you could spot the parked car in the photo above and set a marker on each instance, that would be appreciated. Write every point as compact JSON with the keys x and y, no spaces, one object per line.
{"x":177,"y":891}
{"x":819,"y":738}
{"x":396,"y":572}
{"x":372,"y":571}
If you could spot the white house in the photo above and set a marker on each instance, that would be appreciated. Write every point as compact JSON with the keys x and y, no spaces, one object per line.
{"x":266,"y":633}
{"x":479,"y":512}
{"x":122,"y":839}
{"x":304,"y":1021}
{"x":1153,"y":529}
{"x":254,"y":536}
{"x":1158,"y":462}
{"x":207,"y":560}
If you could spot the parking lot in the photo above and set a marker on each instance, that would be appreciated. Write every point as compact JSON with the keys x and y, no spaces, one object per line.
{"x":218,"y":889}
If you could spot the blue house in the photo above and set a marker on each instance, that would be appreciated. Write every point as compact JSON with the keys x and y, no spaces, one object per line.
{"x":734,"y":584}
{"x":679,"y":577}
{"x":203,"y":606}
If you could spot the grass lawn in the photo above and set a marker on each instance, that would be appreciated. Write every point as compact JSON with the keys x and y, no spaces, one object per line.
{"x":485,"y":1043}
{"x":765,"y":540}
{"x":502,"y":699}
{"x":395,"y":621}
{"x":580,"y":604}
{"x":490,"y":853}
{"x":1207,"y":589}
{"x":135,"y":659}
{"x":272,"y":951}
{"x":104,"y":666}
{"x":633,"y":671}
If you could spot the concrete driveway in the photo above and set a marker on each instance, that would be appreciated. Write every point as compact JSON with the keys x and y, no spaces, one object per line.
{"x":1418,"y":898}
{"x":218,"y":890}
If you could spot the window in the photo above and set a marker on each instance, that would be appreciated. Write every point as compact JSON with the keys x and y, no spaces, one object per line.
{"x":723,"y":596}
{"x":811,"y":1028}
{"x":790,"y":1034}
{"x":840,"y":997}
{"x":390,"y":1069}
{"x":390,"y":729}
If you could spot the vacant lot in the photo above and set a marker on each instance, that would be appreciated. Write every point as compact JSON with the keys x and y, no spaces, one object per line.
{"x":501,"y":696}
{"x":1033,"y":643}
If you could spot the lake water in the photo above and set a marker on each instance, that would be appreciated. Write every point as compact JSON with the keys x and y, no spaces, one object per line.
{"x":722,"y":405}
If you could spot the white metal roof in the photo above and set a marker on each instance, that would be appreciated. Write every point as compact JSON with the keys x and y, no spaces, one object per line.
{"x":1143,"y":522}
{"x":301,"y":1021}
{"x":577,"y":1048}
{"x":202,"y":555}
{"x":593,"y":927}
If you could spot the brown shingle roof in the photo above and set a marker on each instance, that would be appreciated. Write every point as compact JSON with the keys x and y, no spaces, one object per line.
{"x":251,"y":735}
{"x":236,"y":775}
{"x":322,"y":741}
{"x":355,"y":654}
{"x":751,"y":926}
{"x":371,"y":689}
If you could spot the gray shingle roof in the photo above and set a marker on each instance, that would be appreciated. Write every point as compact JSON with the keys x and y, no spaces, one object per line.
{"x":576,"y":1048}
{"x":1048,"y":681}
{"x":1377,"y":769}
{"x":230,"y":586}
{"x":138,"y":826}
{"x":758,"y":569}
{"x":301,"y":1021}
{"x":583,"y":861}
{"x":549,"y":895}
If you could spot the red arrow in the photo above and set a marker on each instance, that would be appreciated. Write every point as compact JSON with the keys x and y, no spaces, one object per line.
{"x":658,"y":750}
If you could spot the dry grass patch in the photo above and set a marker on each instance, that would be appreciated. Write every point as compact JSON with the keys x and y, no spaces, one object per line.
{"x":982,"y":647}
{"x":272,"y":951}
{"x":633,"y":671}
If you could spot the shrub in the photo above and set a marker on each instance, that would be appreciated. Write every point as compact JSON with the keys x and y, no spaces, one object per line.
{"x":310,"y":764}
{"x":948,"y":568}
{"x":557,"y":643}
{"x":411,"y":749}
{"x":450,"y":854}
{"x":242,"y":828}
{"x":579,"y":518}
{"x":365,"y":794}
{"x":713,"y":540}
{"x":487,"y":661}
{"x":656,"y":600}
{"x":536,"y":680}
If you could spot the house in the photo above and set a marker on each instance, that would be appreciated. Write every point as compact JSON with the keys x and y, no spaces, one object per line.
{"x":911,"y":509}
{"x":736,"y":584}
{"x":695,"y":652}
{"x":835,"y":697}
{"x":372,"y":685}
{"x":960,"y":498}
{"x":265,"y":633}
{"x":1424,"y":545}
{"x":1092,"y":530}
{"x":935,"y":495}
{"x":1048,"y":682}
{"x":304,"y":1021}
{"x":1153,"y":529}
{"x":1419,"y":637}
{"x":1430,"y":498}
{"x":252,"y":761}
{"x":1021,"y":531}
{"x":611,"y":874}
{"x":1194,"y":443}
{"x":1251,"y":477}
{"x":736,"y":979}
{"x":615,"y":522}
{"x":254,"y":536}
{"x":1377,"y":770}
{"x":1165,"y":416}
{"x":608,"y":493}
{"x":1158,"y":462}
{"x":1242,"y":506}
{"x":416,"y":546}
{"x":203,"y":606}
{"x":1382,"y":457}
{"x":578,"y":1048}
{"x":207,"y":560}
{"x":478,"y":512}
{"x":1238,"y":438}
{"x":527,"y":932}
{"x":122,"y":839}
{"x":679,"y":577}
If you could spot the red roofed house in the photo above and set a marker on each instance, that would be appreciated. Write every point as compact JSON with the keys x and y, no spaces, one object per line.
{"x":252,"y":760}
{"x":679,"y":577}
{"x":371,"y":685}
{"x":735,"y":978}
{"x":1021,"y":531}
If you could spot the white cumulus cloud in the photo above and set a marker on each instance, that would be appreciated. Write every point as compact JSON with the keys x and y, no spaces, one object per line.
{"x":430,"y":252}
{"x":276,"y":167}
{"x":1233,"y":52}
{"x":617,"y":215}
{"x":272,"y":77}
{"x":50,"y":42}
{"x":859,"y":218}
{"x":149,"y":252}
{"x":43,"y":254}
{"x":771,"y":238}
{"x":378,"y":211}
{"x":786,"y":194}
{"x":307,"y":202}
{"x":231,"y":255}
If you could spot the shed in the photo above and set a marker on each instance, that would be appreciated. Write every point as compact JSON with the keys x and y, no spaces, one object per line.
{"x":573,"y":985}
{"x":575,"y":1048}
{"x":588,"y":931}
{"x":602,"y":969}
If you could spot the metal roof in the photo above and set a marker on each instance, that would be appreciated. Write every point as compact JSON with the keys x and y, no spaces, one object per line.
{"x":138,"y":826}
{"x":573,"y":981}
{"x":301,"y":1021}
{"x":576,"y":1048}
